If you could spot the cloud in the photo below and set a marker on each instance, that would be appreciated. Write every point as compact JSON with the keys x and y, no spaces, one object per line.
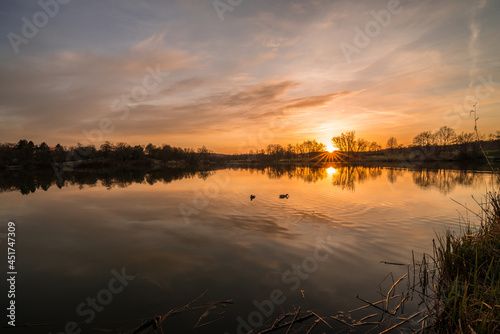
{"x":475,"y":29}
{"x":224,"y":81}
{"x":185,"y":86}
{"x":133,"y":61}
{"x":220,"y":114}
{"x":314,"y":101}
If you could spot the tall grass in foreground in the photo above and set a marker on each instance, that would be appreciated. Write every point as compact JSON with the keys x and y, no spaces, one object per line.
{"x":466,"y":288}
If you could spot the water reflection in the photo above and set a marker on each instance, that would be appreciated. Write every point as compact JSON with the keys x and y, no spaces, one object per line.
{"x":71,"y":239}
{"x":344,"y":177}
{"x":348,"y":177}
{"x":393,"y":174}
{"x":28,"y":182}
{"x":445,"y":180}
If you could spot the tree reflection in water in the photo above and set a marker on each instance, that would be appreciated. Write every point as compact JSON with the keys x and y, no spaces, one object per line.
{"x":345,"y":177}
{"x":445,"y":180}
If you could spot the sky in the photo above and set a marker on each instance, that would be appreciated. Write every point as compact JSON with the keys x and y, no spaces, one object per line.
{"x":236,"y":75}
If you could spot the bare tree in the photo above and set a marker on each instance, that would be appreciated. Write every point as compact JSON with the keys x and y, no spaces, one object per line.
{"x":345,"y":142}
{"x":374,"y":147}
{"x":361,"y":145}
{"x":424,"y":138}
{"x":465,"y":140}
{"x":446,"y":136}
{"x":392,"y":143}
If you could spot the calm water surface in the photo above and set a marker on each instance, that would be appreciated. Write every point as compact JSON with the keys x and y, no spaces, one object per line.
{"x":181,"y":236}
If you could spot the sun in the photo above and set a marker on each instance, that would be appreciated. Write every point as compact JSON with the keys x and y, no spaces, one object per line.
{"x":330,"y":148}
{"x":331,"y":171}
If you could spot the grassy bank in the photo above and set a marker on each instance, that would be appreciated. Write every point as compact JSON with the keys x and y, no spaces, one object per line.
{"x":467,"y":287}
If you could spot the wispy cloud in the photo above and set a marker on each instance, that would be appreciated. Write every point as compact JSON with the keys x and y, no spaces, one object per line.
{"x":475,"y":30}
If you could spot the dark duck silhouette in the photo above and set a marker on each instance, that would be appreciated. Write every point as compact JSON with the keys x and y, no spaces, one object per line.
{"x":252,"y":197}
{"x":284,"y":196}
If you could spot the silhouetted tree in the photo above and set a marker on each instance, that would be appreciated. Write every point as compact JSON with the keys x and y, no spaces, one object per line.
{"x":106,"y":149}
{"x":360,"y":145}
{"x":204,"y":153}
{"x":424,"y":138}
{"x":345,"y":142}
{"x":446,"y":136}
{"x":465,"y":142}
{"x":392,"y":144}
{"x":43,"y":154}
{"x":374,"y":147}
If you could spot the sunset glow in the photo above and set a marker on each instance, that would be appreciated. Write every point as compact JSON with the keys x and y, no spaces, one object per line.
{"x":187,"y":74}
{"x":330,"y":148}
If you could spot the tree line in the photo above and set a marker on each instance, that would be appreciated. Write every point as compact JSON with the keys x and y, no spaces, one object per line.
{"x":280,"y":152}
{"x":444,"y":141}
{"x":347,"y":142}
{"x":25,"y":153}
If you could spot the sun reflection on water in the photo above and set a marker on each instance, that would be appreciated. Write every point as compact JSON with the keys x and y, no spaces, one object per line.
{"x":331,"y":171}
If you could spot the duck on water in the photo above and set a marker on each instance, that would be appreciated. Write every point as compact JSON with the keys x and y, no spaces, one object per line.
{"x":281,"y":196}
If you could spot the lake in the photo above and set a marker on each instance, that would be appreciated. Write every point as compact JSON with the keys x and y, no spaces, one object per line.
{"x":109,"y":250}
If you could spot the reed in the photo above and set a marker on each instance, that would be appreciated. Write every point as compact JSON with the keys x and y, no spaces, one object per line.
{"x":458,"y":285}
{"x":466,"y":289}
